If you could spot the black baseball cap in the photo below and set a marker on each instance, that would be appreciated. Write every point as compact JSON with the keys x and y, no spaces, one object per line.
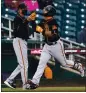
{"x":51,"y":11}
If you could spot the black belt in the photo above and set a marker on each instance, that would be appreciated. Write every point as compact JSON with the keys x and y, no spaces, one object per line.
{"x":52,"y":43}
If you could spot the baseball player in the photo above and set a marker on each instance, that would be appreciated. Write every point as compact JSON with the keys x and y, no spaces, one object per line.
{"x":20,"y":45}
{"x":53,"y":47}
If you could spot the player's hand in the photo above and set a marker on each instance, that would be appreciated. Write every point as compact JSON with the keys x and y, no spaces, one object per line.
{"x":32,"y":16}
{"x":39,"y":29}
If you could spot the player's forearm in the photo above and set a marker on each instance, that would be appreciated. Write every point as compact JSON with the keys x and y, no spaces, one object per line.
{"x":26,"y":21}
{"x":48,"y":33}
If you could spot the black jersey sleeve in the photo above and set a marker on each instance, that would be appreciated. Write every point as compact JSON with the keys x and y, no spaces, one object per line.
{"x":25,"y":21}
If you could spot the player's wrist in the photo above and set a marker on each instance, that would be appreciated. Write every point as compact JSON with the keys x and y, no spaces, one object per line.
{"x":48,"y":33}
{"x":28,"y":18}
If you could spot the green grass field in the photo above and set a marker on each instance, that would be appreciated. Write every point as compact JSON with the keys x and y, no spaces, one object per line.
{"x":47,"y":89}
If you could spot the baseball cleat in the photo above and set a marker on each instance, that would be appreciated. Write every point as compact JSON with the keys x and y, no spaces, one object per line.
{"x":81,"y":69}
{"x":82,"y":73}
{"x":26,"y":86}
{"x":11,"y":85}
{"x":32,"y":85}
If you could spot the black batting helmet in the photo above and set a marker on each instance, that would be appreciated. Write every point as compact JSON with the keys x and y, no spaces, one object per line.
{"x":22,"y":6}
{"x":51,"y":11}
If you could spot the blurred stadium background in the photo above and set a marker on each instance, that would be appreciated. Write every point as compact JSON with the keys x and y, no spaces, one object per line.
{"x":71,"y":17}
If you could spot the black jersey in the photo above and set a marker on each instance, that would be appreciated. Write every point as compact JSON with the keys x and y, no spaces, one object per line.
{"x":52,"y":24}
{"x":21,"y":27}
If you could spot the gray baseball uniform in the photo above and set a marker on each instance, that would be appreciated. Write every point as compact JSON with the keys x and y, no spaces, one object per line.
{"x":20,"y":48}
{"x":57,"y":51}
{"x":53,"y":47}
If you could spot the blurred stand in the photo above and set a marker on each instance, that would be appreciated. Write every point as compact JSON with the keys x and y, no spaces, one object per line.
{"x":43,"y":3}
{"x":82,"y":36}
{"x":31,"y":4}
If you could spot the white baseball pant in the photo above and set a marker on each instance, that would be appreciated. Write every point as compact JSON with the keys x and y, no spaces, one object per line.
{"x":20,"y":48}
{"x":57,"y":51}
